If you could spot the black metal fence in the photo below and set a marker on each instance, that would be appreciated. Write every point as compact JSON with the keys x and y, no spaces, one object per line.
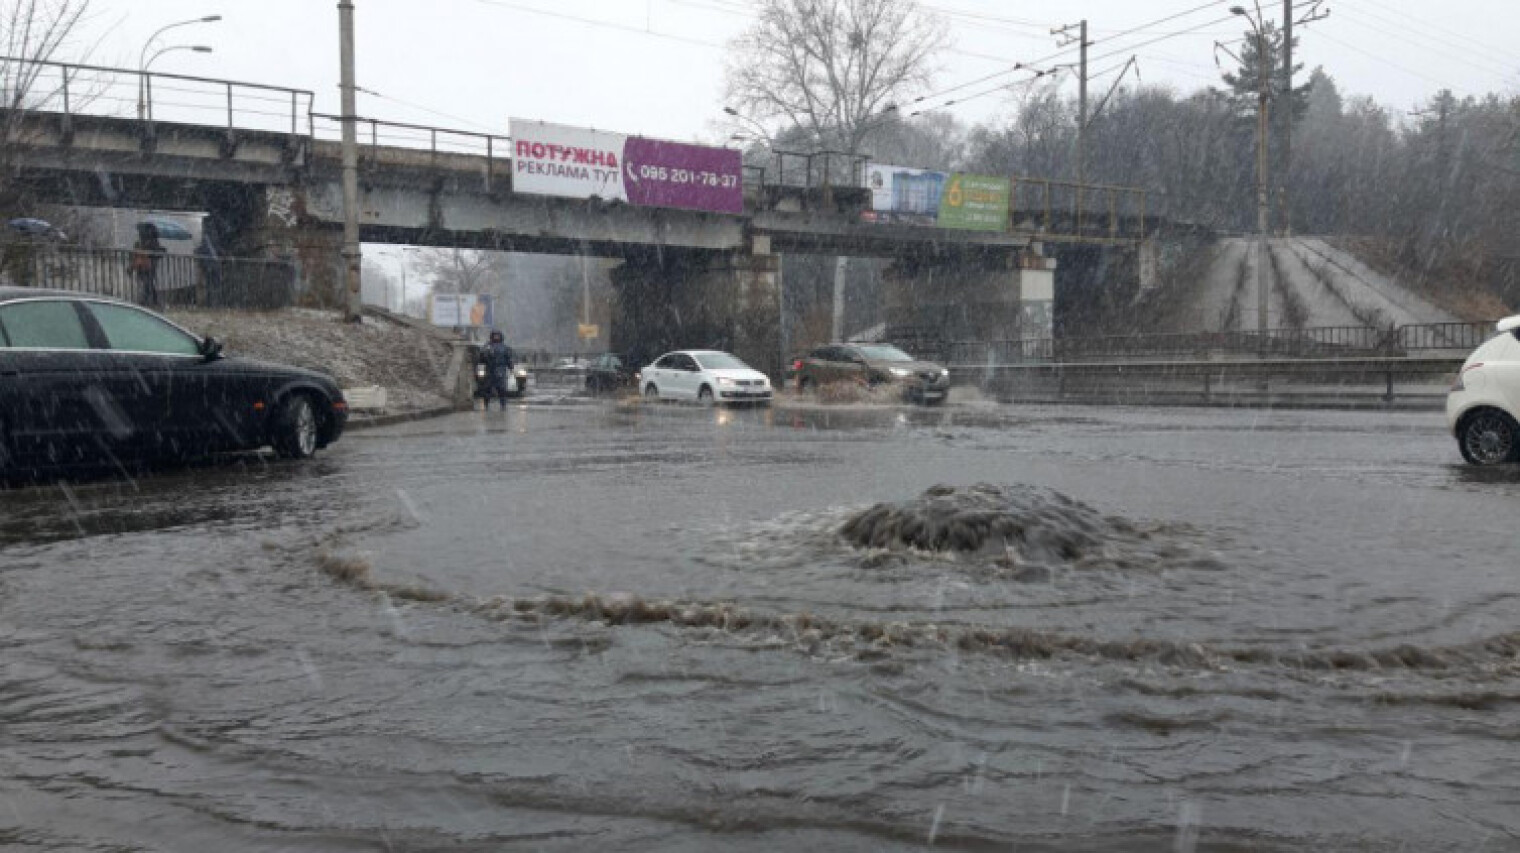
{"x":184,"y":280}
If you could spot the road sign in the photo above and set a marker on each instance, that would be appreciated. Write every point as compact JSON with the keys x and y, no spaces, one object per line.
{"x":589,"y":331}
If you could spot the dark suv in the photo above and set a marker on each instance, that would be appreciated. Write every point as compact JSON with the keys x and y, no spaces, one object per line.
{"x":610,"y":373}
{"x":873,"y":365}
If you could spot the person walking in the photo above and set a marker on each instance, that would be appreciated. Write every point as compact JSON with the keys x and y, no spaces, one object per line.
{"x":497,"y":358}
{"x":146,"y":253}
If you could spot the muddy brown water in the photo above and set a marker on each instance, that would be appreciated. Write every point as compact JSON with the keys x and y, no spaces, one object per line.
{"x":638,"y":628}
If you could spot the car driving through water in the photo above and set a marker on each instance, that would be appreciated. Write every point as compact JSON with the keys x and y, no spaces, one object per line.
{"x":86,"y":379}
{"x":873,"y":365}
{"x":706,"y":376}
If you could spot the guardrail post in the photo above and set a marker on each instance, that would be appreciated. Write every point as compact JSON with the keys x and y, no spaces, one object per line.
{"x":1388,"y":397}
{"x":490,"y":151}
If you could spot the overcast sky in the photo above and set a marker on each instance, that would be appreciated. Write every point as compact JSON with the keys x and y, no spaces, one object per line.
{"x":656,"y":66}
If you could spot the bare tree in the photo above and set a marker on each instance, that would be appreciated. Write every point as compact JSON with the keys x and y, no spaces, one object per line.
{"x":32,"y":32}
{"x":832,"y":67}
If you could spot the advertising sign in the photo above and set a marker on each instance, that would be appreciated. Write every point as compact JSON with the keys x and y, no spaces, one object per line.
{"x":946,"y":199}
{"x":460,"y":310}
{"x":975,"y":203}
{"x":571,"y":162}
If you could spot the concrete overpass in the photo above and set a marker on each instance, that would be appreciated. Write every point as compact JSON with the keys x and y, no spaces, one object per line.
{"x":270,"y":180}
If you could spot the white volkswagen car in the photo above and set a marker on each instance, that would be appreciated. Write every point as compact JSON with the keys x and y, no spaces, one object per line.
{"x":707,"y":376}
{"x":1483,"y":408}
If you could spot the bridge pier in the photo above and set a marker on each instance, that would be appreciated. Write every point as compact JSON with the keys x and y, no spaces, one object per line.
{"x":972,"y":295}
{"x":694,"y":299}
{"x":273,"y":222}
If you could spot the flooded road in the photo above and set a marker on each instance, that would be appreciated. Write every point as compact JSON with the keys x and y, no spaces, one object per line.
{"x":639,"y":628}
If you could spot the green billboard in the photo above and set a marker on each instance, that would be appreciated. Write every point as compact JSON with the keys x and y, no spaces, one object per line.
{"x":974,"y":203}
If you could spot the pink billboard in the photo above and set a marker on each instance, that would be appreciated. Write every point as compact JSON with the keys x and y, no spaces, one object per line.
{"x":692,"y":177}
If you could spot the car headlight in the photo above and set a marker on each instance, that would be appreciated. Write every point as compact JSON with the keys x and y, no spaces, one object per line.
{"x":724,"y":380}
{"x":901,"y":372}
{"x":480,"y":370}
{"x":522,"y":374}
{"x":943,"y":372}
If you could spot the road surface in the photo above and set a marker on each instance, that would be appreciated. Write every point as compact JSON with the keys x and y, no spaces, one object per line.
{"x":1222,"y":629}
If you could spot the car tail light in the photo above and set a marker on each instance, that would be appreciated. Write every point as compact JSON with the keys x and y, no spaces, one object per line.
{"x":340,"y":405}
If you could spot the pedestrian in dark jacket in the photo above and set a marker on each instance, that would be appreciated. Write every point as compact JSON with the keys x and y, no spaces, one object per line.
{"x":497,"y":358}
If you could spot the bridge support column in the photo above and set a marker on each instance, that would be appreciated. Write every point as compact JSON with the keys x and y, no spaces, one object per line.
{"x":972,"y":296}
{"x":682,"y":299}
{"x":272,"y":222}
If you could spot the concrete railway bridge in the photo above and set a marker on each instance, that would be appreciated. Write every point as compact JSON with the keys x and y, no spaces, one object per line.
{"x":266,"y":168}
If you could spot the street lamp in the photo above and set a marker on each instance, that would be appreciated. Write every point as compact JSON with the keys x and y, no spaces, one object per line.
{"x":1262,"y":98}
{"x":143,"y":61}
{"x":754,"y":125}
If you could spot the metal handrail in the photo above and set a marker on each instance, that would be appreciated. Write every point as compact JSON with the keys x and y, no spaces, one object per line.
{"x":142,"y":82}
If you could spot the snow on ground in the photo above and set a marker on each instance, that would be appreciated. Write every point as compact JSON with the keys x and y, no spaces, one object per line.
{"x":409,"y":363}
{"x":1321,"y":286}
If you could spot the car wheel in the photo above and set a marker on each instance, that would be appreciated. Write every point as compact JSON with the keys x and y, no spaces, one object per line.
{"x":705,"y":396}
{"x":651,"y":392}
{"x":295,"y":428}
{"x":936,"y":401}
{"x":807,"y":385}
{"x":1488,"y":437}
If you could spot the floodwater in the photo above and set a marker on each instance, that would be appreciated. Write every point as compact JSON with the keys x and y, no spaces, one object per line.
{"x":639,"y":628}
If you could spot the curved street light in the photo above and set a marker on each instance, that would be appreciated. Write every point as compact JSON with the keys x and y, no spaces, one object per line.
{"x":754,"y":125}
{"x":143,"y":61}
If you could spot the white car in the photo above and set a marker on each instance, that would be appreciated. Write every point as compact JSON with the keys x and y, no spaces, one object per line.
{"x":707,"y":376}
{"x":1483,"y":408}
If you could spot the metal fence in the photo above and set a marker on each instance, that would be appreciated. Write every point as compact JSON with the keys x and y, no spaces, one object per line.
{"x":186,"y":280}
{"x":71,"y":90}
{"x":1305,"y":343}
{"x":374,"y":134}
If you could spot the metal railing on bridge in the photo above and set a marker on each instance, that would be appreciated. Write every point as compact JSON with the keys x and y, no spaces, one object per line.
{"x":72,"y":90}
{"x":376,"y":134}
{"x":184,"y":280}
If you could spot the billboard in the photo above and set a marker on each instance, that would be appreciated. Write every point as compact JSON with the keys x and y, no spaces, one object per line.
{"x":946,"y":199}
{"x":572,"y":162}
{"x":457,"y":310}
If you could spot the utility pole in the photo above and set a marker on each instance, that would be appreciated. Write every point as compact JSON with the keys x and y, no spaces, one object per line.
{"x":1263,"y":259}
{"x":841,"y":275}
{"x":351,"y":258}
{"x":1286,"y":117}
{"x":1083,"y":44}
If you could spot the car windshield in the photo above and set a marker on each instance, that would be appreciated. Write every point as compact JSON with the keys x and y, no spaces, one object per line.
{"x":719,"y":361}
{"x":882,"y":352}
{"x":919,"y":425}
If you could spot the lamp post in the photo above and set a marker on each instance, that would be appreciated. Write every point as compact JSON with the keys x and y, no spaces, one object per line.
{"x":143,"y":61}
{"x":1262,"y":204}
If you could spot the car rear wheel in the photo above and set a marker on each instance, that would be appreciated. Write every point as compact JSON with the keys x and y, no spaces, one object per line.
{"x":296,"y":428}
{"x":651,"y":392}
{"x":1488,"y":437}
{"x":705,"y":396}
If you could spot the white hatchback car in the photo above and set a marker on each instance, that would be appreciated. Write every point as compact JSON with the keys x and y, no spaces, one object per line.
{"x":1483,"y":408}
{"x":707,"y":376}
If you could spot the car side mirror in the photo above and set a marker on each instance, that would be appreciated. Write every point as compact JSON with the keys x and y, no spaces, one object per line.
{"x":210,"y":348}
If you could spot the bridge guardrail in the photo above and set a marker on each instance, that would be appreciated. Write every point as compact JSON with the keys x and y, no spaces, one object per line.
{"x":375,"y":134}
{"x":71,"y":89}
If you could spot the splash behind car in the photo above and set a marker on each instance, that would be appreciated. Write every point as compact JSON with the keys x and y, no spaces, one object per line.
{"x":873,"y":365}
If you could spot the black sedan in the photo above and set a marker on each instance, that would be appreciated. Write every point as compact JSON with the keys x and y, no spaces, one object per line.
{"x":86,"y":379}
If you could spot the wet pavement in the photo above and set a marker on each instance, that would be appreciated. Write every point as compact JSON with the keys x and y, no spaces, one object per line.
{"x":638,"y":628}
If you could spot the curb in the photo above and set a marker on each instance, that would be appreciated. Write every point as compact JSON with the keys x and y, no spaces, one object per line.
{"x":361,"y":424}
